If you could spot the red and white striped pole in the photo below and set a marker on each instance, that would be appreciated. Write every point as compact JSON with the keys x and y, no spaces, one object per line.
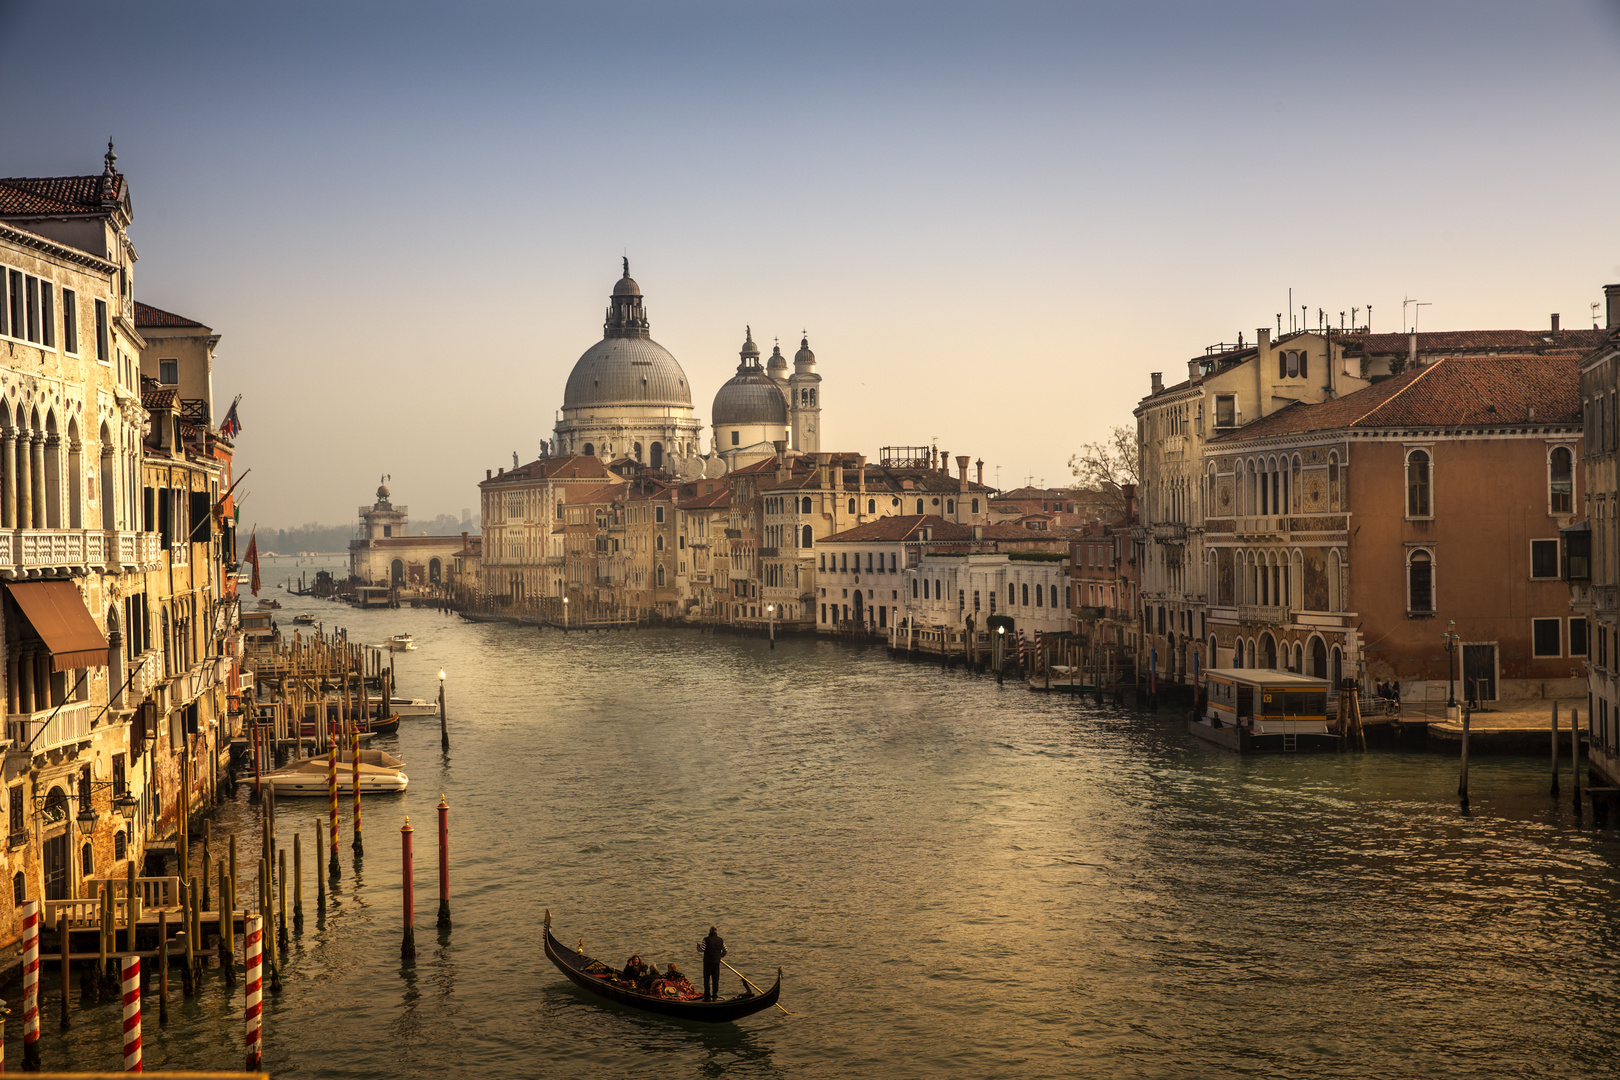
{"x":354,"y":778}
{"x":253,"y":933}
{"x":407,"y":947}
{"x":132,"y":1014}
{"x":31,"y":986}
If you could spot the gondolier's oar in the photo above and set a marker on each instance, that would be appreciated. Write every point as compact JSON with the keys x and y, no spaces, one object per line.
{"x":752,"y":987}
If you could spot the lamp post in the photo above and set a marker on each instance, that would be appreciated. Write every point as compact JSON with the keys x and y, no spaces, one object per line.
{"x":444,"y":730}
{"x":1450,"y":639}
{"x":565,"y":614}
{"x":1001,"y":652}
{"x":770,"y":622}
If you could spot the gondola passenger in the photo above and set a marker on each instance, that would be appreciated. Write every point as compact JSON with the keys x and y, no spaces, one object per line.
{"x":648,"y":977}
{"x":634,"y":969}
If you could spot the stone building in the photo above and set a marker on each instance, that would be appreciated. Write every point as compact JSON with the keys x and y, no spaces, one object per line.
{"x":1343,"y":538}
{"x":1591,"y":565}
{"x":523,"y":548}
{"x":385,"y":553}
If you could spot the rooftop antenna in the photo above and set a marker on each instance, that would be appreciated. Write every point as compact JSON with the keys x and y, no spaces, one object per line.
{"x":1302,"y":316}
{"x":1290,"y":314}
{"x":1369,"y":318}
{"x":1594,"y":305}
{"x":1279,"y":324}
{"x":1417,"y":312}
{"x":1341,"y":322}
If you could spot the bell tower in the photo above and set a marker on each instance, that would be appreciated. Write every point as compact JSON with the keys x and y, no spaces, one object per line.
{"x":804,"y":400}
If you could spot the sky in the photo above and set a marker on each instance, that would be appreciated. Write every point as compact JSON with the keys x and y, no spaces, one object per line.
{"x":993,"y":220}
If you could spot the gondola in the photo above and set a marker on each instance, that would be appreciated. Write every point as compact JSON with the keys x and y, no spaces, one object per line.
{"x":581,"y":969}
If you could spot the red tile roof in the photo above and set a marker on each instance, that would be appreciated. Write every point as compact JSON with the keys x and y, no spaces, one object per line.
{"x":168,"y":398}
{"x":38,"y":195}
{"x":147,"y":315}
{"x":1440,"y":341}
{"x":1485,"y":391}
{"x":578,"y":467}
{"x":901,"y":528}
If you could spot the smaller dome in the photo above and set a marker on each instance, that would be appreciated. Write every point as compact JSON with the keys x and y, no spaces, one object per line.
{"x":626,"y":286}
{"x":804,"y":355}
{"x":382,"y":493}
{"x":777,"y":363}
{"x":748,"y":346}
{"x":749,"y":397}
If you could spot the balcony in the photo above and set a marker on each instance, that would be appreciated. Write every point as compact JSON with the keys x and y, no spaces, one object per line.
{"x":33,"y":552}
{"x":769,"y":552}
{"x":1263,"y":614}
{"x":51,"y":728}
{"x":1170,"y":532}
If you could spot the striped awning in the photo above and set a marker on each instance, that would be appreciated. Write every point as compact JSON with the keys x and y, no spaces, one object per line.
{"x":58,"y":615}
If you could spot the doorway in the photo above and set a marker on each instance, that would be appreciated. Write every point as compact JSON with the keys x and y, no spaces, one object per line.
{"x":1478,"y":673}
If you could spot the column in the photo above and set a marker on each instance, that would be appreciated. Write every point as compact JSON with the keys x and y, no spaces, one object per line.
{"x":36,"y":472}
{"x":8,"y":487}
{"x":24,"y":486}
{"x":25,"y":683}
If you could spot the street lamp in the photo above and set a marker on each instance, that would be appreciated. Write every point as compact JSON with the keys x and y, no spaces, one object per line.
{"x":127,"y":805}
{"x":1450,"y":639}
{"x":770,"y":621}
{"x":86,"y":817}
{"x":1001,"y":653}
{"x":565,"y":614}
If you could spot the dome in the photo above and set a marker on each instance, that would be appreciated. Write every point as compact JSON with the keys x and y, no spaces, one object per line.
{"x":626,"y":371}
{"x":748,"y":346}
{"x":626,"y":286}
{"x":777,"y":365}
{"x":749,"y":397}
{"x":804,"y":355}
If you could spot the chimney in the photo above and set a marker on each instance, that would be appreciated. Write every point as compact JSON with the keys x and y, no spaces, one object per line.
{"x":978,"y":532}
{"x":1158,"y":381}
{"x":945,"y":462}
{"x":781,"y":459}
{"x":861,"y":477}
{"x":821,"y":471}
{"x":1192,"y":370}
{"x":1555,"y":324}
{"x":1262,"y":341}
{"x":1129,"y":491}
{"x":838,"y":476}
{"x":980,"y":464}
{"x":489,"y":474}
{"x":961,"y":470}
{"x":1611,"y":295}
{"x":1411,"y":349}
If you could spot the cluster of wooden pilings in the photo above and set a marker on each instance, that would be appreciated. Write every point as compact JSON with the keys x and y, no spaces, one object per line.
{"x":314,"y":691}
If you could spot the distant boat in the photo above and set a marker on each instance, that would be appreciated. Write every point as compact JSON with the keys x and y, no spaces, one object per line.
{"x":269,"y":603}
{"x":413,"y":707}
{"x":304,"y":620}
{"x":401,"y":642}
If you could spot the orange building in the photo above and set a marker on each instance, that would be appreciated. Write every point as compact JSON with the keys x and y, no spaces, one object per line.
{"x":1350,"y":538}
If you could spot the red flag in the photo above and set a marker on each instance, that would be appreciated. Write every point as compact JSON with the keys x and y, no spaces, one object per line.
{"x":252,"y":557}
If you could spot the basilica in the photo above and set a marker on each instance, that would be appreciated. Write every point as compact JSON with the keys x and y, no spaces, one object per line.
{"x":628,"y":398}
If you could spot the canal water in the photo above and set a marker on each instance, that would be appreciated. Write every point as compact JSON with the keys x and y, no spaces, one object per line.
{"x":956,"y":878}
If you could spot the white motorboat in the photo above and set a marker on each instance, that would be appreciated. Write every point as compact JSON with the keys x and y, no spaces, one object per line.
{"x":401,"y":642}
{"x":304,"y":620}
{"x":380,"y":773}
{"x":412,"y":707}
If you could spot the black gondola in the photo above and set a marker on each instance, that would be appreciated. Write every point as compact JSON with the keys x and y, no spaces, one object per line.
{"x":579,"y":967}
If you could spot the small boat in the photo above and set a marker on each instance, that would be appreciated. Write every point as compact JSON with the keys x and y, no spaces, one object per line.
{"x":413,"y":707}
{"x":598,"y":978}
{"x":380,"y":773}
{"x":401,"y":642}
{"x":269,"y":603}
{"x":304,"y":620}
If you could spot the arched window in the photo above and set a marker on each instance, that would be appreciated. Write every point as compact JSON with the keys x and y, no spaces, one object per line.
{"x":809,"y":536}
{"x":590,"y":451}
{"x":19,"y":890}
{"x":1026,"y":595}
{"x":1237,"y":654}
{"x":914,"y":588}
{"x":657,"y":461}
{"x":1420,"y":582}
{"x":1560,"y":477}
{"x":919,"y":506}
{"x":1012,"y":594}
{"x":975,"y":506}
{"x":658,"y":543}
{"x":805,"y":507}
{"x":120,"y":845}
{"x":950,"y":506}
{"x":871,"y":506}
{"x":937,"y":594}
{"x":1319,"y":669}
{"x":87,"y":862}
{"x":852,"y":506}
{"x":660,"y":577}
{"x":1053,"y":595}
{"x":1211,"y":654}
{"x":1417,"y":483}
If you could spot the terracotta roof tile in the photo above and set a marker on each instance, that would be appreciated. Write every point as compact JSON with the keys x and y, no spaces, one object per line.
{"x":147,"y":315}
{"x":1440,"y":341}
{"x":167,"y":398}
{"x":29,"y":195}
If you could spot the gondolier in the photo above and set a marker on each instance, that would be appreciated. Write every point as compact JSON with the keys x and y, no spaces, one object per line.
{"x":713,"y":950}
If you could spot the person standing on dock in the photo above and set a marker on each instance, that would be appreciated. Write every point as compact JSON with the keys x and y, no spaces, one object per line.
{"x":713,"y":950}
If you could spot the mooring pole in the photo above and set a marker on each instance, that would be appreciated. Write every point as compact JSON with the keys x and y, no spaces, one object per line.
{"x":227,"y":930}
{"x":163,"y":967}
{"x":132,"y":1014}
{"x":444,"y":864}
{"x":298,"y":882}
{"x":31,"y":986}
{"x":407,"y":948}
{"x":67,"y":961}
{"x":354,"y":776}
{"x":253,"y":936}
{"x":1462,"y":782}
{"x":331,"y":794}
{"x":1575,"y":756}
{"x":1555,"y":748}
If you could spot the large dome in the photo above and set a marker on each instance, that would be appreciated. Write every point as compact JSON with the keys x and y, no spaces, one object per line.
{"x":626,"y":371}
{"x":626,"y":367}
{"x":751,"y":396}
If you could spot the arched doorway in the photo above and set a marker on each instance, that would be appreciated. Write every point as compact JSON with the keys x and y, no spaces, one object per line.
{"x":1237,"y":654}
{"x":859,"y":606}
{"x":1319,"y":668}
{"x":589,"y":450}
{"x":55,"y":816}
{"x":655,"y":456}
{"x":1333,"y":667}
{"x":434,"y":571}
{"x":396,"y":573}
{"x":1268,"y":651}
{"x":103,"y":490}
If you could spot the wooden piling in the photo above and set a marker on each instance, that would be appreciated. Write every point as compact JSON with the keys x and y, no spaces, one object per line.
{"x":298,"y":882}
{"x":129,"y":908}
{"x":1555,"y":748}
{"x":1575,"y":757}
{"x":1462,"y":782}
{"x":227,"y":930}
{"x":67,"y":963}
{"x":407,"y":947}
{"x":320,"y":878}
{"x":359,"y":844}
{"x":194,"y":941}
{"x":163,"y":967}
{"x":281,"y":896}
{"x":188,"y":985}
{"x":331,"y":794}
{"x":444,"y":864}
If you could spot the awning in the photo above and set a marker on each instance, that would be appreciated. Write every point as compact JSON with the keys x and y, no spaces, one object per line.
{"x":59,"y":616}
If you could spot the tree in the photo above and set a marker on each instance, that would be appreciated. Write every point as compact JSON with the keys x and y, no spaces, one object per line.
{"x":1102,"y":468}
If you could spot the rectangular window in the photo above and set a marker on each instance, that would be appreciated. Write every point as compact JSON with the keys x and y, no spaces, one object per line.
{"x":103,"y":346}
{"x":1544,"y":558}
{"x":32,"y":302}
{"x":1225,"y":410}
{"x":14,"y":303}
{"x":1577,"y":636}
{"x":19,"y":820}
{"x":47,"y":315}
{"x":118,"y":779}
{"x":169,"y":372}
{"x":5,"y":303}
{"x":70,"y":321}
{"x":1545,"y":637}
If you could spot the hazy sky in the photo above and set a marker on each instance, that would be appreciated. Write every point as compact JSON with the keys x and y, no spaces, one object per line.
{"x":994,"y":220}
